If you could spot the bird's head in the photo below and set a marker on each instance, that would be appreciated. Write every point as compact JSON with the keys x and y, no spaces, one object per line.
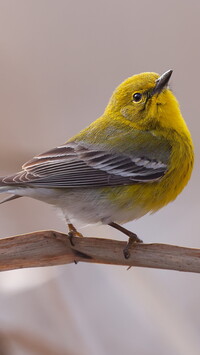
{"x":146,"y":101}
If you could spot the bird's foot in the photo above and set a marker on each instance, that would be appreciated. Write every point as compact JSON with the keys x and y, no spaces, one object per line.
{"x":73,"y":233}
{"x":133,"y":238}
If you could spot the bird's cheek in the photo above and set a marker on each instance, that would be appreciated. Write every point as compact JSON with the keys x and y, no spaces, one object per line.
{"x":128,"y":113}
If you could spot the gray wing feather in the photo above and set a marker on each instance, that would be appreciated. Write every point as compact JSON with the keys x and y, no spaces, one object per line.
{"x":79,"y":165}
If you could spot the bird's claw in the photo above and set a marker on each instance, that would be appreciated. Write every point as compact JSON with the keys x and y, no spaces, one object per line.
{"x":71,"y":236}
{"x":133,"y":239}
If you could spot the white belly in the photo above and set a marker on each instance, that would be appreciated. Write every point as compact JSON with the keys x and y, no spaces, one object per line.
{"x":89,"y":206}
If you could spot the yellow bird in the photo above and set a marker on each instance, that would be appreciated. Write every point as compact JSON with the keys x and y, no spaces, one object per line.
{"x":136,"y":158}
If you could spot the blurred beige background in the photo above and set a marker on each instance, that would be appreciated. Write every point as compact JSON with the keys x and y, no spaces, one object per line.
{"x":59,"y":63}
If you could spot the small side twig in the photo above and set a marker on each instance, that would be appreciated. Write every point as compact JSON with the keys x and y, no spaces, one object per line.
{"x":45,"y":248}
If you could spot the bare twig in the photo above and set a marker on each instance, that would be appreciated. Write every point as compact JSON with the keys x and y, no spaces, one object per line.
{"x":47,"y":248}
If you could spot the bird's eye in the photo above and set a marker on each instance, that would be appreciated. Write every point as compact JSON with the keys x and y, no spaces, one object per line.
{"x":137,"y":97}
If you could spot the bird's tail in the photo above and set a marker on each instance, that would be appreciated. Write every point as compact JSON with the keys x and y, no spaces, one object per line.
{"x":6,"y":189}
{"x":9,"y":198}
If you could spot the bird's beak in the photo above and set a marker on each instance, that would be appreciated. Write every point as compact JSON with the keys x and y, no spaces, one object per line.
{"x":162,"y":82}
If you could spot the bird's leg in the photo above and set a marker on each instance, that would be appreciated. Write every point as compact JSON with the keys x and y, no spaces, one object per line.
{"x":133,"y":238}
{"x":73,"y":232}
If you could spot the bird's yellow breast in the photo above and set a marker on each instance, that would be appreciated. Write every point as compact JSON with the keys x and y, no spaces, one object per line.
{"x":150,"y":197}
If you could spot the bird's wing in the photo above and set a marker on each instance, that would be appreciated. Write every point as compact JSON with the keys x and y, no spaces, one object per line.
{"x":77,"y":164}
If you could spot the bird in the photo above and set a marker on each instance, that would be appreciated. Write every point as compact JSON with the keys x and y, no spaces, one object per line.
{"x":133,"y":160}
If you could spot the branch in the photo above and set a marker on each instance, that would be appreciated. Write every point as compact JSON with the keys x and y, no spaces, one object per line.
{"x":47,"y":248}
